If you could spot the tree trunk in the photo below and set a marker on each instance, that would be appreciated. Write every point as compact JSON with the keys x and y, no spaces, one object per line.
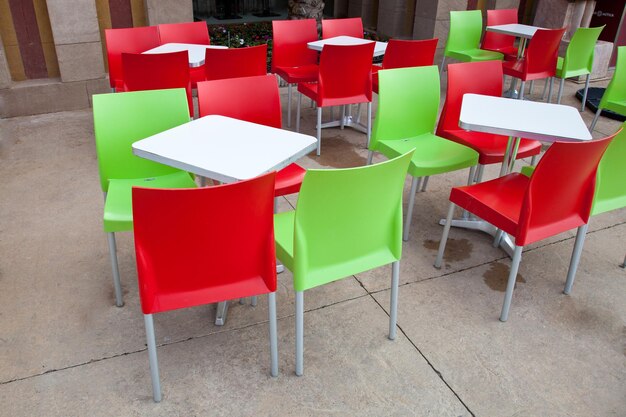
{"x":306,"y":9}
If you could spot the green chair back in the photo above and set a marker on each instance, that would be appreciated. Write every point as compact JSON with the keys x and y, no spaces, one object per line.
{"x":121,"y":119}
{"x":348,"y":221}
{"x":616,"y":90}
{"x":465,"y":30}
{"x":611,"y":177}
{"x":408,"y":105}
{"x":579,"y":55}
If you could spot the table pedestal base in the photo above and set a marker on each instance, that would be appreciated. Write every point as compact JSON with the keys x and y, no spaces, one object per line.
{"x":476,"y":224}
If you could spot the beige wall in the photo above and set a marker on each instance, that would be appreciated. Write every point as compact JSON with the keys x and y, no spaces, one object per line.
{"x":169,"y":11}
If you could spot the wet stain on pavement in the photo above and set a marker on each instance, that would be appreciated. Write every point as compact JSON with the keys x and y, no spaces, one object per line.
{"x":337,"y":152}
{"x":497,"y":276}
{"x":456,"y":249}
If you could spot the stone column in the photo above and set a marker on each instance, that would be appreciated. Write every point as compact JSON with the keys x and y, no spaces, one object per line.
{"x":169,"y":11}
{"x":503,"y":4}
{"x":396,"y":17}
{"x":76,"y":39}
{"x":5,"y":75}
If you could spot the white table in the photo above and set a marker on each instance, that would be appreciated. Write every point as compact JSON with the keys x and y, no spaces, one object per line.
{"x":226,"y":150}
{"x":379,"y":48}
{"x":196,"y":52}
{"x":517,"y":118}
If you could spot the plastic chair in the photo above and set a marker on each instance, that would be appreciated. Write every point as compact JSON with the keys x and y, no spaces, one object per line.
{"x":539,"y":61}
{"x":403,"y":54}
{"x":292,"y":60}
{"x":578,"y":59}
{"x":557,"y":198}
{"x":352,"y":26}
{"x":498,"y":42}
{"x":157,"y":72}
{"x":235,"y":62}
{"x":464,"y":38}
{"x":483,"y":78}
{"x":344,"y":77}
{"x":253,"y":99}
{"x":408,"y":103}
{"x":188,"y":32}
{"x":129,"y":40}
{"x":333,"y":233}
{"x":175,"y":238}
{"x":614,"y":98}
{"x":119,"y":121}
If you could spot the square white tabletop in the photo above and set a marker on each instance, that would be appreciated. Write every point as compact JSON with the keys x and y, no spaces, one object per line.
{"x":225,"y":149}
{"x":522,"y":118}
{"x":196,"y":52}
{"x":515,"y":29}
{"x":379,"y":48}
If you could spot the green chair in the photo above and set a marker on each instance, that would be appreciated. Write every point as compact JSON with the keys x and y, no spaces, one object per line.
{"x":346,"y":221}
{"x":578,"y":59}
{"x":614,"y":97}
{"x":463,"y":42}
{"x":610,"y":193}
{"x":408,"y":102}
{"x":119,"y":120}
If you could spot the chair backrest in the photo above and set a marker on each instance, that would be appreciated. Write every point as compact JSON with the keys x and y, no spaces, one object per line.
{"x":253,"y":99}
{"x":483,"y":78}
{"x":561,"y":189}
{"x":611,"y":177}
{"x":185,"y":258}
{"x":130,"y":40}
{"x":410,"y":53}
{"x":466,"y":27}
{"x":493,"y":40}
{"x":408,"y":102}
{"x":289,"y":43}
{"x":348,"y":221}
{"x":157,"y":72}
{"x":579,"y":55}
{"x":543,"y":52}
{"x":352,"y":26}
{"x":124,"y":118}
{"x":616,"y":90}
{"x":345,"y":71}
{"x":235,"y":62}
{"x":188,"y":32}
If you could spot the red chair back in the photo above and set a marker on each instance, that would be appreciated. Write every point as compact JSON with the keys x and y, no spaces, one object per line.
{"x":345,"y":73}
{"x":253,"y":99}
{"x":185,"y":258}
{"x":560,"y":192}
{"x":495,"y":41}
{"x":543,"y":53}
{"x":188,"y":32}
{"x":129,"y":40}
{"x":157,"y":72}
{"x":468,"y":77}
{"x":352,"y":26}
{"x":235,"y":62}
{"x":410,"y":53}
{"x":290,"y":38}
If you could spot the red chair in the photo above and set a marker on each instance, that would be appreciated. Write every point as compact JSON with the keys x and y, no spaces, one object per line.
{"x":129,"y":40}
{"x":292,"y":60}
{"x":157,"y":72}
{"x":539,"y":61}
{"x":352,"y":26}
{"x":253,"y":99}
{"x":345,"y":77}
{"x":556,"y":198}
{"x":188,"y":32}
{"x":186,"y":259}
{"x":235,"y":62}
{"x":403,"y":54}
{"x":498,"y":42}
{"x":478,"y":78}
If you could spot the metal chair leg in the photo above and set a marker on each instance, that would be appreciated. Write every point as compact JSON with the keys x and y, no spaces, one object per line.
{"x":298,"y":112}
{"x":289,"y":87}
{"x":415,"y":183}
{"x":117,"y":284}
{"x":550,"y":89}
{"x":444,"y":236}
{"x":443,"y":63}
{"x":299,"y":333}
{"x":521,"y":91}
{"x":152,"y":357}
{"x":393,"y":302}
{"x":558,"y":100}
{"x":595,"y":119}
{"x":573,"y":263}
{"x":510,"y":286}
{"x":370,"y":156}
{"x":623,"y":265}
{"x":369,"y":123}
{"x":319,"y":130}
{"x":271,"y":299}
{"x":582,"y":108}
{"x":530,"y":88}
{"x":424,"y":184}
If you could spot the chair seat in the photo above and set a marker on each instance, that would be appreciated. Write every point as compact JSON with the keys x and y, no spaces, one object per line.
{"x":491,"y":147}
{"x":310,"y":90}
{"x":571,"y":72}
{"x":436,"y":155}
{"x":516,"y":69}
{"x":471,"y":55}
{"x":294,"y":75}
{"x":118,"y":211}
{"x":289,"y":180}
{"x":509,"y":52}
{"x":498,"y":201}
